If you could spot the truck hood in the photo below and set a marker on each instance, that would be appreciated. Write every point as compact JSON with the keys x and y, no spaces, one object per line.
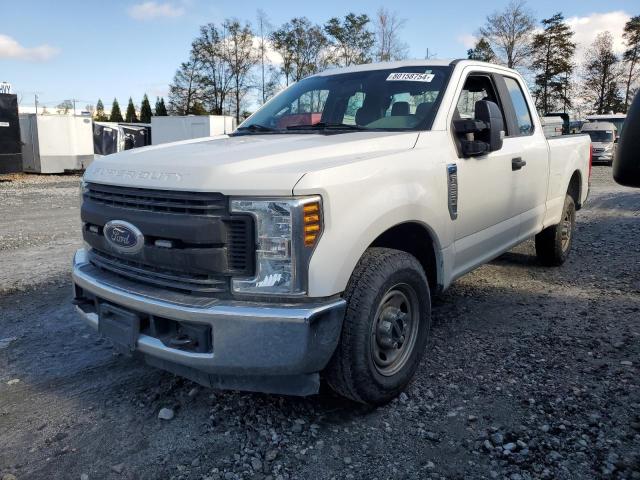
{"x":242,"y":165}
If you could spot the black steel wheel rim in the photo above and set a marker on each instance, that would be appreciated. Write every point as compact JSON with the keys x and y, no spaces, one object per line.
{"x":395,"y":329}
{"x":566,"y":228}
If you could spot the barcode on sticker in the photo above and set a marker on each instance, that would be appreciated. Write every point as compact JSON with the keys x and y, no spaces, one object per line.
{"x":410,"y":77}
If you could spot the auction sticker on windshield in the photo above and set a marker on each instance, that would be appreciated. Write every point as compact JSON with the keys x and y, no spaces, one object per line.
{"x":410,"y":77}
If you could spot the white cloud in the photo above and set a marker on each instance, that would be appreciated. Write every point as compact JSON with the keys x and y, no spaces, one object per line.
{"x":10,"y":48}
{"x":587,"y":28}
{"x":468,"y":40}
{"x":151,"y":10}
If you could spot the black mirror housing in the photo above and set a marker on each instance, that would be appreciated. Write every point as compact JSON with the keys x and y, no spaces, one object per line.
{"x":487,"y":128}
{"x":489,"y":113}
{"x":626,"y":164}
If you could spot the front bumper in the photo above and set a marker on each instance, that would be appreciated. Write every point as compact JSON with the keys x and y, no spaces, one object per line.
{"x":601,"y":157}
{"x":278,"y":348}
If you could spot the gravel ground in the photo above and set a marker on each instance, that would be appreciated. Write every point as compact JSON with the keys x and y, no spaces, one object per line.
{"x":532,"y":373}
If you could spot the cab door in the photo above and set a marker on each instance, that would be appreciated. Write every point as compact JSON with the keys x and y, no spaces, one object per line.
{"x":485,"y":223}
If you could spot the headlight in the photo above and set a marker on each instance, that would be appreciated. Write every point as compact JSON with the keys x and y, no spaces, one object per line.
{"x":287,"y":231}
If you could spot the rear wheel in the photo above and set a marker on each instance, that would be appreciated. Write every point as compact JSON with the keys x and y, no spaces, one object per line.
{"x":385,"y":329}
{"x":553,"y":244}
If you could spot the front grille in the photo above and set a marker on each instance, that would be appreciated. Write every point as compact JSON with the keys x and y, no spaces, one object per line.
{"x":161,"y":277}
{"x":191,"y":203}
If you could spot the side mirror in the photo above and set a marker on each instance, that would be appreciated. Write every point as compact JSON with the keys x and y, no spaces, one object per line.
{"x":487,"y":129}
{"x":489,"y":113}
{"x":626,"y":164}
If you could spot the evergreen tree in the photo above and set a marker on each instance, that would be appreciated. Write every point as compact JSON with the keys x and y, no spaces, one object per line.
{"x":631,"y":56}
{"x":161,"y":109}
{"x":553,"y":51}
{"x":116,"y":115}
{"x":100,"y":116}
{"x":601,"y":76}
{"x":131,"y":116}
{"x":145,"y":110}
{"x":482,"y":51}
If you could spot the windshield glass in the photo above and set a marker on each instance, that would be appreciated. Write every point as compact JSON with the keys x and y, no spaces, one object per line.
{"x":601,"y":135}
{"x":392,"y":99}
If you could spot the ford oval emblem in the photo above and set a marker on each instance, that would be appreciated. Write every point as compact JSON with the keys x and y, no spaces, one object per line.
{"x":123,"y":236}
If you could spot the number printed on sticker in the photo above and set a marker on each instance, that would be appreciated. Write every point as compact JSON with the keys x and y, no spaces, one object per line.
{"x":410,"y":77}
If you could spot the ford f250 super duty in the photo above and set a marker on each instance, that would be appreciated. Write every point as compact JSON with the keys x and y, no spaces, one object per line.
{"x":309,"y":242}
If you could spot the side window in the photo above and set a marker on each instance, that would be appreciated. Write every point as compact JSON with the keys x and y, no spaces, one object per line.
{"x":476,"y":87}
{"x":523,"y":116}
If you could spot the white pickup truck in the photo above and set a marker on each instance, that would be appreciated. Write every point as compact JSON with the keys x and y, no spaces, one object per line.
{"x":309,"y":242}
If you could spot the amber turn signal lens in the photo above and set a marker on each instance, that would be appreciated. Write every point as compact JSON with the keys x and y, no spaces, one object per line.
{"x":312,"y":223}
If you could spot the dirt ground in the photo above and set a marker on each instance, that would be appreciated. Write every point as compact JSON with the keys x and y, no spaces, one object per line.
{"x":532,"y":373}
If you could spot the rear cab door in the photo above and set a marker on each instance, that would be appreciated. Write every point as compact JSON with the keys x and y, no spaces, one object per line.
{"x":528,"y":145}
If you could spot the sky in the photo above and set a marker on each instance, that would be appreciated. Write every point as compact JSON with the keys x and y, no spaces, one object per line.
{"x":92,"y":49}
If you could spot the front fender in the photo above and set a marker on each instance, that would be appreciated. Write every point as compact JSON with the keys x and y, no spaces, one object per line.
{"x":363,"y":201}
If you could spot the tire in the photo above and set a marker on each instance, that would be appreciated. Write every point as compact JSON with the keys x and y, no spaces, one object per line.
{"x":374,"y":361}
{"x":553,"y":244}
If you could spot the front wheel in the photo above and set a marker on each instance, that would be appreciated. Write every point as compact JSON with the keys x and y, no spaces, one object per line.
{"x":553,"y":244}
{"x":385,"y":329}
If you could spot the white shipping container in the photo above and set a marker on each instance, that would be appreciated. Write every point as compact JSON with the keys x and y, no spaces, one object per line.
{"x":55,"y":143}
{"x":173,"y":129}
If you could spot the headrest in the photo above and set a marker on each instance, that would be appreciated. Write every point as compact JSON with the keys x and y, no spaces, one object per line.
{"x":400,"y":108}
{"x":366,"y":114}
{"x":423,"y":109}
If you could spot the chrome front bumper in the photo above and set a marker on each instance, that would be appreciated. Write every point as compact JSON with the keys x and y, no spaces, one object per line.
{"x":255,"y":346}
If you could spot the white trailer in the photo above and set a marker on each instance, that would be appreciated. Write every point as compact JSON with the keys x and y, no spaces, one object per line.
{"x":173,"y":129}
{"x":56,"y":143}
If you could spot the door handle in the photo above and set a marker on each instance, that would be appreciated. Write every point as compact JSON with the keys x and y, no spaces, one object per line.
{"x":517,"y":163}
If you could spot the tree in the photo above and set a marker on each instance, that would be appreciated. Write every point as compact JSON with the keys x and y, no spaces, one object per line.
{"x":116,"y":115}
{"x":131,"y":116}
{"x":388,"y":45}
{"x":213,"y":75}
{"x":161,"y":109}
{"x":601,"y":75}
{"x":351,"y":39}
{"x":242,"y":57}
{"x":553,"y":51}
{"x":100,"y":116}
{"x":631,"y":56}
{"x":263,"y":28}
{"x":482,"y":51}
{"x":145,"y":110}
{"x":509,"y":33}
{"x":185,"y":90}
{"x":64,"y":106}
{"x":303,"y":48}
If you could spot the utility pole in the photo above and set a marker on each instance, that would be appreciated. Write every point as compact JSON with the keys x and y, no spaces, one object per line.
{"x":36,"y":102}
{"x":74,"y":106}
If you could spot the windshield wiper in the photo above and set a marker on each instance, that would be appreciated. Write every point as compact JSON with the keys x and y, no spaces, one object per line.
{"x":326,"y":126}
{"x":256,"y":127}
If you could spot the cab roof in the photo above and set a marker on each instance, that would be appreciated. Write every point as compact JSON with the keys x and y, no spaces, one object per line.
{"x":408,"y":63}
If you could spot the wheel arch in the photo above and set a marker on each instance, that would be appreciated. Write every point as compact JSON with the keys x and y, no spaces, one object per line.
{"x":418,"y":240}
{"x":575,"y":188}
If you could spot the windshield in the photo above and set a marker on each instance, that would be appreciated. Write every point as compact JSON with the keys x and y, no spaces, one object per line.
{"x":403,"y":98}
{"x":602,"y":136}
{"x":617,"y":122}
